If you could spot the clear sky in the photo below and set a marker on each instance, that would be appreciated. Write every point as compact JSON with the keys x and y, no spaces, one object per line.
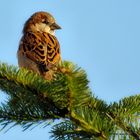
{"x":101,"y":36}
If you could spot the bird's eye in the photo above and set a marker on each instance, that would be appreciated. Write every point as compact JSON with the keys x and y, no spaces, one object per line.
{"x":43,"y":21}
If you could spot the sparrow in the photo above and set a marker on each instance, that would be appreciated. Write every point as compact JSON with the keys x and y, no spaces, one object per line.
{"x":39,"y":49}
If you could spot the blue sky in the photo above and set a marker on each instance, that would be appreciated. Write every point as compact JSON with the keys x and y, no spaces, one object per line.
{"x":101,"y":36}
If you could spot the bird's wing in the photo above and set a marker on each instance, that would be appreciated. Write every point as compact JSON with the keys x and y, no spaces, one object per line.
{"x":41,"y":48}
{"x":53,"y":49}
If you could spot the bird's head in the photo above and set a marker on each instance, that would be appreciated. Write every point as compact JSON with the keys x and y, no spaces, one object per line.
{"x":41,"y":21}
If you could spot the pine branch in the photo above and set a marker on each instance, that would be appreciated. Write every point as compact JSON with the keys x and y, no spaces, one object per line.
{"x":125,"y":114}
{"x":27,"y":97}
{"x":23,"y":117}
{"x":67,"y":130}
{"x":34,"y":100}
{"x":85,"y":110}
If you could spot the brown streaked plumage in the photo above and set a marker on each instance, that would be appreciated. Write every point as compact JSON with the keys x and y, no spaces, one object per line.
{"x":39,"y":49}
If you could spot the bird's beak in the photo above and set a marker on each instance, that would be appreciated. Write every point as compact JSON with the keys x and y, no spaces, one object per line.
{"x":56,"y":26}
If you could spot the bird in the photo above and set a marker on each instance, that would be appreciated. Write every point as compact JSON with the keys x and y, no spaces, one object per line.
{"x":39,"y":49}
